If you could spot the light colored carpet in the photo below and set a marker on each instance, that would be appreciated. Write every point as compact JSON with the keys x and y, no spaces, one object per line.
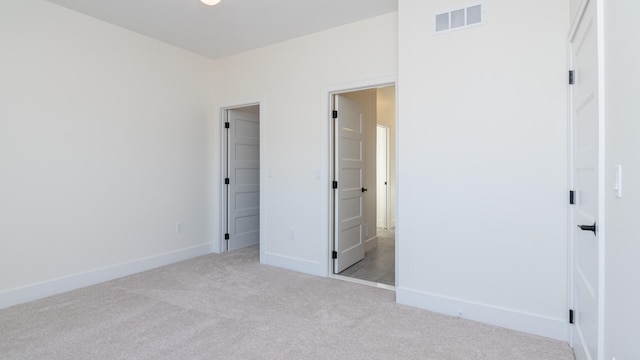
{"x":230,"y":307}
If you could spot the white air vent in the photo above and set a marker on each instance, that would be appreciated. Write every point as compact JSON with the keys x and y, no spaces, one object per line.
{"x":442,"y":22}
{"x":458,"y":18}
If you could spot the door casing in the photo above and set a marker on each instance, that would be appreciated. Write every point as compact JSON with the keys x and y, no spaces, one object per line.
{"x":220,"y":245}
{"x":328,"y":165}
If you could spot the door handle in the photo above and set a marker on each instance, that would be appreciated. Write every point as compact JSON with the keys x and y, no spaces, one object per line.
{"x":363,"y":189}
{"x":588,"y":228}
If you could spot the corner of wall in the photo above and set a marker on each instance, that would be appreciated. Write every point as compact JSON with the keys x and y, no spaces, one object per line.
{"x":61,"y":285}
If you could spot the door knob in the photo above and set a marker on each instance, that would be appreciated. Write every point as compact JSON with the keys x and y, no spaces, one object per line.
{"x":363,"y":189}
{"x":588,"y":228}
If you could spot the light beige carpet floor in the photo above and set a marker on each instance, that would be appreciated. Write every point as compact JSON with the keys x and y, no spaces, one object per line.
{"x":230,"y":307}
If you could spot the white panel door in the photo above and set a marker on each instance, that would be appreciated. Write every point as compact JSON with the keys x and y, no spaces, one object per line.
{"x":585,"y":166}
{"x":243,"y":190}
{"x":349,"y":152}
{"x":381,"y":176}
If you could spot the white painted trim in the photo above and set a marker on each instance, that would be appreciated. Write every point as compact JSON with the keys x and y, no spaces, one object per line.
{"x":576,"y":20}
{"x":571,"y":182}
{"x":554,"y":328}
{"x":396,"y":190}
{"x":67,"y":283}
{"x":262,"y":102}
{"x":327,"y":91}
{"x":364,"y":282}
{"x":600,"y":19}
{"x":326,"y":163}
{"x":292,"y":263}
{"x":371,"y":243}
{"x":219,"y":241}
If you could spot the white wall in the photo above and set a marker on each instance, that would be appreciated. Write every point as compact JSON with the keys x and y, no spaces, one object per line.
{"x":292,"y":80}
{"x":103,"y":147}
{"x":482,"y":193}
{"x":622,"y":248}
{"x":108,"y":138}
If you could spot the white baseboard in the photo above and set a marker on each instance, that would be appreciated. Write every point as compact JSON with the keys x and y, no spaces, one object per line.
{"x":60,"y":285}
{"x":292,"y":263}
{"x":554,"y":328}
{"x":370,"y":243}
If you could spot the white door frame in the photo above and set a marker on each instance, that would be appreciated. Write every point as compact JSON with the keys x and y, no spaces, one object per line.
{"x":220,"y":244}
{"x":601,"y":169}
{"x":327,"y":163}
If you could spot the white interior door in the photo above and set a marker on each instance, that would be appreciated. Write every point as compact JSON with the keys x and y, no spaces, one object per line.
{"x":349,"y":161}
{"x":382,"y":170}
{"x":243,"y":178}
{"x":585,"y":239}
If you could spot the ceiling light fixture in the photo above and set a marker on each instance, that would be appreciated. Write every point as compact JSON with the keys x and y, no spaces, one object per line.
{"x":211,"y":2}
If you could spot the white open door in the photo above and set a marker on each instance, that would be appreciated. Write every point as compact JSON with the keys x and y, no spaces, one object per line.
{"x":243,"y":178}
{"x":349,"y":172}
{"x":382,"y":177}
{"x":585,"y":231}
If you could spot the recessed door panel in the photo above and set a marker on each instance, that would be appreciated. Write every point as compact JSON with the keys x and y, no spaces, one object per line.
{"x":247,"y":176}
{"x":352,"y":208}
{"x":351,"y":179}
{"x":248,"y":201}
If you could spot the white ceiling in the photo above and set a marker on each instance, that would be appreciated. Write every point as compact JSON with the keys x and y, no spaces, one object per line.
{"x":231,"y":27}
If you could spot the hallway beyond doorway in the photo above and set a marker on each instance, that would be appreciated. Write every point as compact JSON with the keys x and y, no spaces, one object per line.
{"x":378,"y":264}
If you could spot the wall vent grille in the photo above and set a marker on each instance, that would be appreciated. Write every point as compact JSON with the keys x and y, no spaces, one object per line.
{"x":459,"y":18}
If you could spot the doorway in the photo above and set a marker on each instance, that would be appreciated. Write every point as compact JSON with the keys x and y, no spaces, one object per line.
{"x":587,"y":186}
{"x":363,"y":174}
{"x":241,"y":171}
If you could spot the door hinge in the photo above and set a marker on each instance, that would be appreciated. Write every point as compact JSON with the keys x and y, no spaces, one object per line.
{"x":572,"y":197}
{"x":226,"y":236}
{"x":570,"y":316}
{"x":227,"y":181}
{"x":227,"y":125}
{"x":334,"y":114}
{"x":335,"y":185}
{"x":334,"y":255}
{"x":571,"y":77}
